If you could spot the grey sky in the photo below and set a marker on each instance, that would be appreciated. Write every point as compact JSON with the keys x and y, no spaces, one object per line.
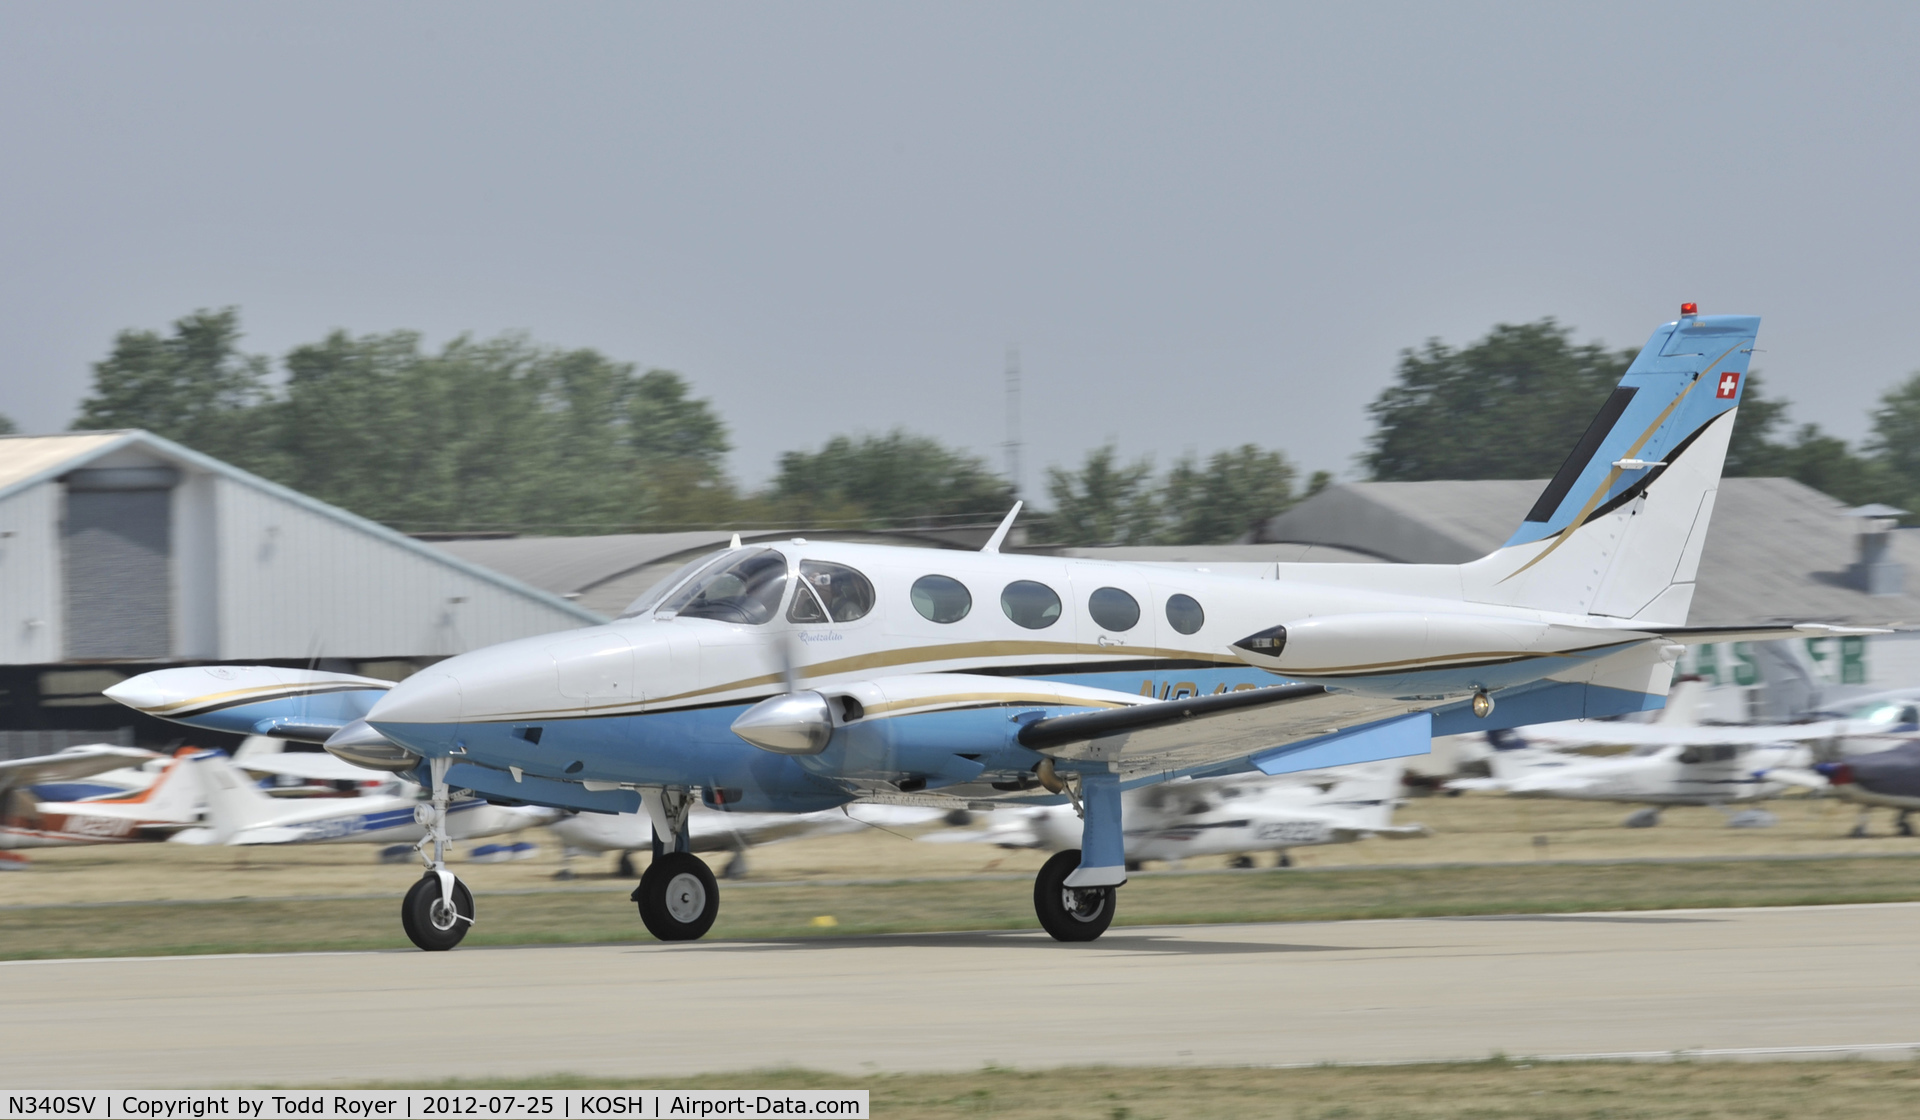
{"x":1203,"y":224}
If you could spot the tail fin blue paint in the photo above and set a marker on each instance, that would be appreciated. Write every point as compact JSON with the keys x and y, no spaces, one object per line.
{"x":1618,"y":530}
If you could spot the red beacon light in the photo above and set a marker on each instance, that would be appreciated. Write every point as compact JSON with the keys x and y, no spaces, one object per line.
{"x":1689,"y":309}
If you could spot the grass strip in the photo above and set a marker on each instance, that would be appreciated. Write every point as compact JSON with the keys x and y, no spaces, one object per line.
{"x":268,"y":925}
{"x":1491,"y":1090}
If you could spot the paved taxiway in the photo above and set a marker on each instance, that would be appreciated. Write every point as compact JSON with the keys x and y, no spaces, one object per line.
{"x":1212,"y":995}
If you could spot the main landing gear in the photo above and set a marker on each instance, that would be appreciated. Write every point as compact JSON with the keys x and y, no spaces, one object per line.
{"x":1070,"y":913}
{"x":678,"y":895}
{"x":1074,"y":895}
{"x":438,"y":910}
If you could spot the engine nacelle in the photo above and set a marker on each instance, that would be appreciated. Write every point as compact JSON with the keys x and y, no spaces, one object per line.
{"x":1395,"y":645}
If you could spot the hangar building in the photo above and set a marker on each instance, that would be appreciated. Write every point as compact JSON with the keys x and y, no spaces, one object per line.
{"x":122,"y":552}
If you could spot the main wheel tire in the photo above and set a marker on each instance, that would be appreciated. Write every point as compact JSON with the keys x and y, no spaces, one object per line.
{"x":678,"y":897}
{"x":425,"y":917}
{"x":1070,"y":913}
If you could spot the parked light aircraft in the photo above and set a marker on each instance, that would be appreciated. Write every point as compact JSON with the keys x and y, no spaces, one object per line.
{"x":710,"y":831}
{"x":1236,"y":815}
{"x":1887,"y":779}
{"x":239,"y":812}
{"x":811,"y":675}
{"x":158,"y":812}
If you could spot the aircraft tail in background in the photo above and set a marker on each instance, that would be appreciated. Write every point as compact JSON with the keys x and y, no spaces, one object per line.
{"x":1619,"y":529}
{"x":233,"y":802}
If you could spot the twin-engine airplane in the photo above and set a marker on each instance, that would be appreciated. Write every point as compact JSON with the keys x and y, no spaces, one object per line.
{"x":799,"y":678}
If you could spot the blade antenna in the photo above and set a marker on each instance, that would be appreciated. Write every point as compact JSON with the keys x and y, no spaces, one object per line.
{"x":1006,"y":526}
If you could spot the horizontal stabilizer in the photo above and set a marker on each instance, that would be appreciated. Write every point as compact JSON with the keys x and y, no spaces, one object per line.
{"x":1707,"y":635}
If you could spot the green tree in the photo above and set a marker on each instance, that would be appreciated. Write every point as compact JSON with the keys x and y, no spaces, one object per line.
{"x":1828,"y":465}
{"x":499,"y":433}
{"x":1894,"y":446}
{"x":193,"y":386}
{"x":1507,"y":406}
{"x":1104,"y":502}
{"x":7,"y":427}
{"x":1752,"y":451}
{"x":1235,"y":492}
{"x":896,"y":479}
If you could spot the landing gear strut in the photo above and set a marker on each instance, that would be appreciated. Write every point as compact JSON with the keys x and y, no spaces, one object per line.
{"x":678,"y":895}
{"x":438,"y":910}
{"x":1074,"y":894}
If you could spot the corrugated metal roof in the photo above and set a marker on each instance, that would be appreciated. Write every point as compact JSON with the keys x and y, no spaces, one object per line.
{"x":1225,"y":553}
{"x":571,"y":565}
{"x":28,"y":460}
{"x":605,"y":573}
{"x":1776,"y":550}
{"x":25,"y":460}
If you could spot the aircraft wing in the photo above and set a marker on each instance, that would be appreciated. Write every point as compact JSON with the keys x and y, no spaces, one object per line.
{"x":1794,"y":776}
{"x":1600,"y":734}
{"x":312,"y":766}
{"x":271,"y":834}
{"x":1169,"y":735}
{"x":70,"y":765}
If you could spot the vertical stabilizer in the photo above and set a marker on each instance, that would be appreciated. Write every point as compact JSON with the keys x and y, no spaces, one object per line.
{"x":1619,"y":529}
{"x":1368,"y":791}
{"x":234,"y":804}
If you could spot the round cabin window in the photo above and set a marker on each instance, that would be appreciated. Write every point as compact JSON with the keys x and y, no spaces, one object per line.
{"x":940,"y":598}
{"x":1184,"y":614}
{"x":1113,"y":609}
{"x":1029,"y":604}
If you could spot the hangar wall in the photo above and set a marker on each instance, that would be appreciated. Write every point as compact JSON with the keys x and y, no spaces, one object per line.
{"x":31,"y":631}
{"x":290,"y":579}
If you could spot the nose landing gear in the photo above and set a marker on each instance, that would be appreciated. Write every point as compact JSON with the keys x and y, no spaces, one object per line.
{"x":438,"y":910}
{"x":678,"y":897}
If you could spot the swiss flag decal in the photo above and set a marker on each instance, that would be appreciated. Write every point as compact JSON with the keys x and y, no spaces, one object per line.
{"x":1729,"y":386}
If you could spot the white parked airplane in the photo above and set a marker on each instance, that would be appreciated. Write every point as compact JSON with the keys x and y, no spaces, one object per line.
{"x":240,"y":812}
{"x":811,"y":675}
{"x":166,"y":805}
{"x":1235,"y":816}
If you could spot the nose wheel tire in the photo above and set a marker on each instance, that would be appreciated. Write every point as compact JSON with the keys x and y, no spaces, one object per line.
{"x":428,"y":921}
{"x":678,"y":897}
{"x":1070,"y":913}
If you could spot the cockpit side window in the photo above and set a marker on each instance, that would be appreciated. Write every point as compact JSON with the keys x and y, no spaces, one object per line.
{"x":665,"y":587}
{"x":735,"y":588}
{"x":830,"y":593}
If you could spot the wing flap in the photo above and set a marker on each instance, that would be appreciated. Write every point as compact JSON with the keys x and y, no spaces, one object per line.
{"x":1168,"y":740}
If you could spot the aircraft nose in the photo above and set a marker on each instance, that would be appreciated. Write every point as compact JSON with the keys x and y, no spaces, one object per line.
{"x":1839,"y":773}
{"x":429,"y":696}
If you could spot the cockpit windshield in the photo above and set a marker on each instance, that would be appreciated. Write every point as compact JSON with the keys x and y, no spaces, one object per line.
{"x":1884,"y":711}
{"x":660,"y":590}
{"x":744,"y":588}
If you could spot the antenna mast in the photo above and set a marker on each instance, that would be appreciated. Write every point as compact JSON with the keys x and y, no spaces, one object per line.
{"x":1013,"y":419}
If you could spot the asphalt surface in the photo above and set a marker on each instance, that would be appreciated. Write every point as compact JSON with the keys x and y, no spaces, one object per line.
{"x":1787,"y":980}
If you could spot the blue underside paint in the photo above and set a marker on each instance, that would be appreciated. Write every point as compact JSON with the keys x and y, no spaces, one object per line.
{"x":1102,"y":843}
{"x":327,"y":707}
{"x":1390,"y":738}
{"x":698,"y":747}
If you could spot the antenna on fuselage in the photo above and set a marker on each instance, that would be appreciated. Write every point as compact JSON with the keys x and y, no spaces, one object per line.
{"x":1006,"y":526}
{"x":735,"y":543}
